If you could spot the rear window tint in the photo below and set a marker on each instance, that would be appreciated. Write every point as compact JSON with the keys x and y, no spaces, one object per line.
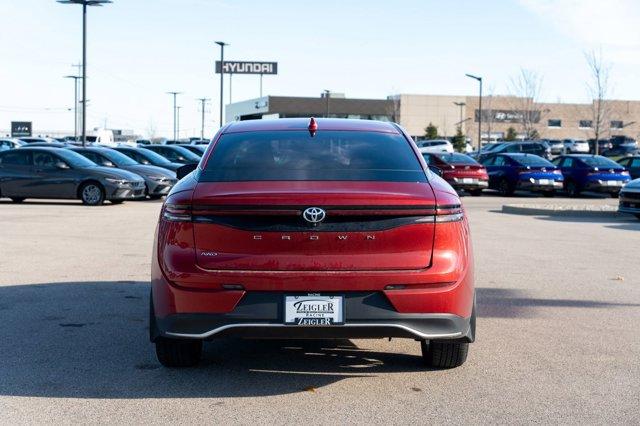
{"x":296,"y":156}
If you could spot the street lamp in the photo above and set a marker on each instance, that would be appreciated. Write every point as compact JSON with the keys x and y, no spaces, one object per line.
{"x":203,"y":102}
{"x":327,"y":92}
{"x":222,"y":44}
{"x":175,"y":94}
{"x":460,"y":104}
{"x":479,"y":79}
{"x":84,"y":4}
{"x":178,"y":113}
{"x":75,"y":105}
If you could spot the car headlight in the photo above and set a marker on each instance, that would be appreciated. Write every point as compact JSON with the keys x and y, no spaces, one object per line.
{"x":158,"y":178}
{"x":116,"y":181}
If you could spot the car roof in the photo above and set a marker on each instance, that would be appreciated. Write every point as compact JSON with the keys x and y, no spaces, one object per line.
{"x":34,"y":148}
{"x":303,"y":124}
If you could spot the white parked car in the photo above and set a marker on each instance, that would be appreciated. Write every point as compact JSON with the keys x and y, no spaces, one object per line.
{"x":435,"y":145}
{"x":576,"y":146}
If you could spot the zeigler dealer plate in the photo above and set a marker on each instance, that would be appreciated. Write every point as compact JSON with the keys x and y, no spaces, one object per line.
{"x":313,"y":310}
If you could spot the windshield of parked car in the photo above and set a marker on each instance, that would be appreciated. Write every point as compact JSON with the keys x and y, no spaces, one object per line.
{"x":491,"y":146}
{"x":74,"y":159}
{"x":118,"y":158}
{"x":329,"y":155}
{"x":456,"y":158}
{"x":188,"y":155}
{"x":600,"y":162}
{"x":152,"y":156}
{"x":532,"y":161}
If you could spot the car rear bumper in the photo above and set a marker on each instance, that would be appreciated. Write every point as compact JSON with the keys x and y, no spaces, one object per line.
{"x":554,"y":185}
{"x":367,"y":315}
{"x":601,"y":186}
{"x":458,"y":183}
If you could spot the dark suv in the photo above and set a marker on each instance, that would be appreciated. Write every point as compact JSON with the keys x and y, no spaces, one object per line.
{"x":538,"y":148}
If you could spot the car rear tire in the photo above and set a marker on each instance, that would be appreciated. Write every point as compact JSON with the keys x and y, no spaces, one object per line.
{"x":443,"y":353}
{"x":475,"y":192}
{"x":614,"y":194}
{"x":505,"y":189}
{"x":178,"y":353}
{"x":572,"y":189}
{"x":92,"y":194}
{"x":155,"y":197}
{"x":17,"y":199}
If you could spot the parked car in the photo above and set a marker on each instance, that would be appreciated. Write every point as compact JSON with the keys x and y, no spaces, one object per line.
{"x":603,"y":145}
{"x":199,"y":150}
{"x":435,"y":145}
{"x":32,"y":139}
{"x":540,"y":149}
{"x":10,"y":143}
{"x":61,"y":173}
{"x":632,"y":164}
{"x":145,"y":156}
{"x":351,"y":252}
{"x":584,"y":172}
{"x":556,"y":146}
{"x":576,"y":146}
{"x":630,"y":198}
{"x":623,"y":140}
{"x":460,"y":171}
{"x":621,"y":151}
{"x":158,"y":181}
{"x":173,"y":153}
{"x":199,"y":142}
{"x":47,"y":145}
{"x":511,"y":172}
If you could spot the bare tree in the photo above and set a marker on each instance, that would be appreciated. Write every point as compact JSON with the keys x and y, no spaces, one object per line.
{"x":151,"y":129}
{"x":525,"y":88}
{"x":598,"y":89}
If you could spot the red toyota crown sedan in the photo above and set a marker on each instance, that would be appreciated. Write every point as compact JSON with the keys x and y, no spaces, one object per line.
{"x":297,"y":228}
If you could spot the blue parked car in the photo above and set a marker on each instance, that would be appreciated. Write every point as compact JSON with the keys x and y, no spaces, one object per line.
{"x":583,"y":172}
{"x":511,"y":172}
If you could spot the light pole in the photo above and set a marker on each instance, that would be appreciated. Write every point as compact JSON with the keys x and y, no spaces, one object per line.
{"x":178,"y":121}
{"x":84,"y":4}
{"x":203,"y":102}
{"x":222,"y":44}
{"x":479,"y":79}
{"x":327,"y":92}
{"x":75,"y":105}
{"x":460,"y":104}
{"x":175,"y":94}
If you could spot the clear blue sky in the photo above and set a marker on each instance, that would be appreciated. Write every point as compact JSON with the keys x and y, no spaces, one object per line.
{"x":139,"y":49}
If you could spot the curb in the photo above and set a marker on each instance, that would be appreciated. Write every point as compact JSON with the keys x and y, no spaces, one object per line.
{"x":556,"y":210}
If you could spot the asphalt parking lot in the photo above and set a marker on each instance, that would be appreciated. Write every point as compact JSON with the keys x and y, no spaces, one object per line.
{"x":558,"y":339}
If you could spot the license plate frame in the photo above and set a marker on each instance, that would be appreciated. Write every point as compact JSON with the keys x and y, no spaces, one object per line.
{"x":324,"y":316}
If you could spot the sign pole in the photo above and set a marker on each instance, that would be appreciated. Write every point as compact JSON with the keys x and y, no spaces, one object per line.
{"x":260,"y":84}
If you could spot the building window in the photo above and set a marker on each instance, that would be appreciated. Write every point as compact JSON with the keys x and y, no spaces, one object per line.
{"x":617,"y":124}
{"x":554,"y":123}
{"x":585,"y":124}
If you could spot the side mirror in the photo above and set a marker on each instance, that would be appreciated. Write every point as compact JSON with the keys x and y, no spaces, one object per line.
{"x":185,"y":170}
{"x":435,"y":169}
{"x":62,"y":165}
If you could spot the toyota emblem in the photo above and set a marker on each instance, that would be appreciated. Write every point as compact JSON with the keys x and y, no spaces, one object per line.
{"x":314,"y":215}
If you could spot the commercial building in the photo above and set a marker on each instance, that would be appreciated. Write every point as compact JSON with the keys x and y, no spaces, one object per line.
{"x":415,"y":112}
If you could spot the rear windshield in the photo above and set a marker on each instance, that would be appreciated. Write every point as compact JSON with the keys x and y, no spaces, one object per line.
{"x":296,"y":156}
{"x":532,"y":160}
{"x":601,"y":162}
{"x":456,"y":158}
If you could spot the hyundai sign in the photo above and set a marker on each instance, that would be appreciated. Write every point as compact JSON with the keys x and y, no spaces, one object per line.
{"x":20,"y":129}
{"x":248,"y":67}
